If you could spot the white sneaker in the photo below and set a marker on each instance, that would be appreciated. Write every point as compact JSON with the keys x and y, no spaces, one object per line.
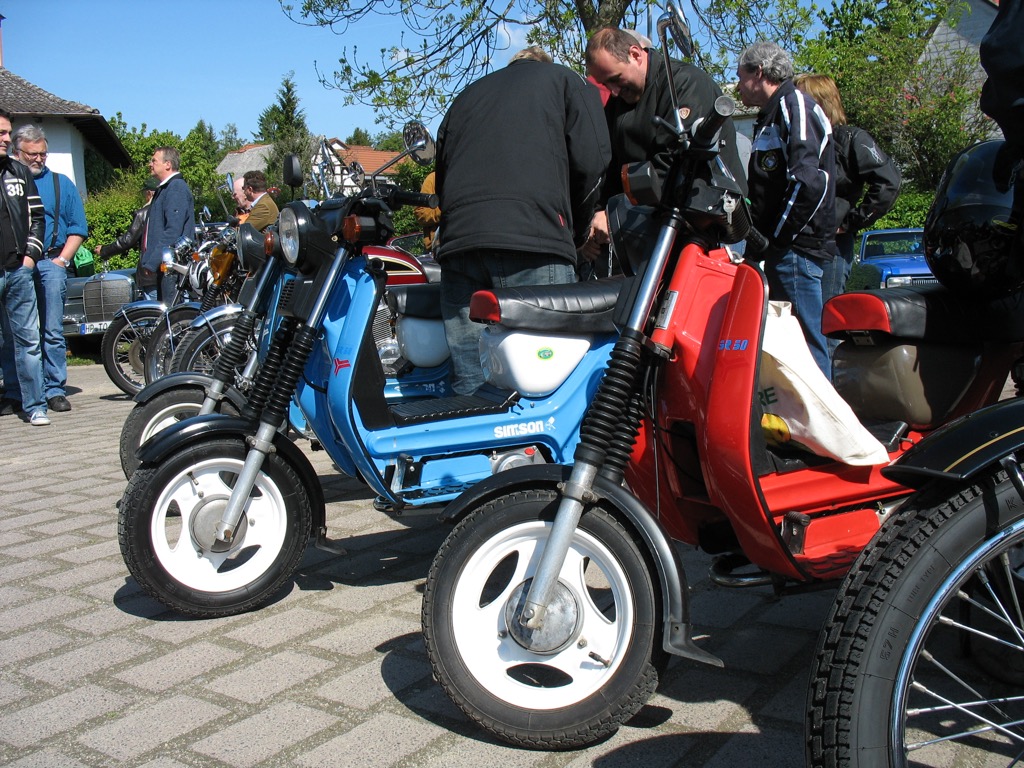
{"x":39,"y":419}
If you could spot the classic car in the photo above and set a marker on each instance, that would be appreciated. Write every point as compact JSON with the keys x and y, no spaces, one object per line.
{"x":890,"y":258}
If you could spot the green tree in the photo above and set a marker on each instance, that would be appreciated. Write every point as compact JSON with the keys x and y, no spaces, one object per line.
{"x":446,"y":44}
{"x":200,"y":152}
{"x":283,"y":124}
{"x":229,"y":139}
{"x":922,"y":108}
{"x":360,"y":138}
{"x":389,"y":141}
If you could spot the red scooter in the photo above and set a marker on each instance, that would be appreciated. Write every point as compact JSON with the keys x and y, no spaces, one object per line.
{"x":559,"y":596}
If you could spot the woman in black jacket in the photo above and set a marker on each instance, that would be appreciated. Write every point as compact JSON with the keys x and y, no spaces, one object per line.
{"x":867,"y":181}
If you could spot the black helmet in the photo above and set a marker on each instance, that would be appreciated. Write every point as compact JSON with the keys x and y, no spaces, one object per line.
{"x":970,"y":242}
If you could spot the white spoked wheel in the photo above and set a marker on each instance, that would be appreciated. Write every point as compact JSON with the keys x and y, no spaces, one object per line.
{"x":168,"y":529}
{"x":579,"y":676}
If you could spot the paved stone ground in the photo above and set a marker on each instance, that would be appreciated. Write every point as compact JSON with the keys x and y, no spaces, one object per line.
{"x":94,"y":673}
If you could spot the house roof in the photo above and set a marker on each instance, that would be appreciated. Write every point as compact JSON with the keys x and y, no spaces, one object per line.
{"x":23,"y":99}
{"x":251,"y":157}
{"x":369,"y":158}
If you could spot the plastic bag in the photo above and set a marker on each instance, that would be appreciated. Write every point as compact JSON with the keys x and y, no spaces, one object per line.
{"x":801,"y":407}
{"x":83,"y":262}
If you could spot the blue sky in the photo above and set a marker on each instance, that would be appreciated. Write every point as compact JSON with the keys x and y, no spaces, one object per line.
{"x":168,"y":63}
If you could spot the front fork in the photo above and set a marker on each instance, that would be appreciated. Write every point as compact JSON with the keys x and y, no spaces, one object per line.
{"x":607,"y":434}
{"x":275,"y":384}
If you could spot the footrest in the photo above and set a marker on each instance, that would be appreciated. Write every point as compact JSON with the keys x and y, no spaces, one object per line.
{"x":438,"y":409}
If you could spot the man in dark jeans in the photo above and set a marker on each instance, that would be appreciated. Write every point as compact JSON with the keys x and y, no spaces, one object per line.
{"x":520,"y":158}
{"x":66,"y":230}
{"x":21,"y":247}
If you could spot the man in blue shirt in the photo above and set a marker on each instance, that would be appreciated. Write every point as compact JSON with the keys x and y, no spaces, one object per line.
{"x":66,"y":230}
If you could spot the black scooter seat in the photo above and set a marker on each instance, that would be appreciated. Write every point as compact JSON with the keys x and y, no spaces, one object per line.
{"x":418,"y":300}
{"x":586,"y":307}
{"x":927,"y":313}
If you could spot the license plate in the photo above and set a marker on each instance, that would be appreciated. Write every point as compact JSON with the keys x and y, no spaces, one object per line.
{"x":87,"y":328}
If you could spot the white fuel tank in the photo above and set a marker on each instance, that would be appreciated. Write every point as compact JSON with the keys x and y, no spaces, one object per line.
{"x":421,"y":341}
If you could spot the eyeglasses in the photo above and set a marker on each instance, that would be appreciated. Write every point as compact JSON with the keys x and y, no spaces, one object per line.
{"x":35,"y":155}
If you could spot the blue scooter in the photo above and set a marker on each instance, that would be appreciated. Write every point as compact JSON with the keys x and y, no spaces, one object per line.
{"x":215,"y":519}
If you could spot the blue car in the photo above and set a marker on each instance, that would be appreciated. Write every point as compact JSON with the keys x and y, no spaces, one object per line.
{"x":889,"y":258}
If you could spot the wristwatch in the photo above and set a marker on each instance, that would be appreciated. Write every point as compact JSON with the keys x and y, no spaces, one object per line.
{"x":63,"y":261}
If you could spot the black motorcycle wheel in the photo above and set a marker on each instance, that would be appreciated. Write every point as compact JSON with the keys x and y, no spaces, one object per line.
{"x":590,"y":668}
{"x":199,"y":347}
{"x":153,"y":416}
{"x":166,"y":527}
{"x":164,"y":340}
{"x":123,"y":347}
{"x":896,"y":679}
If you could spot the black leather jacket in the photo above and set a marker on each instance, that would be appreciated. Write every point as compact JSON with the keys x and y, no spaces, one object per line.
{"x":18,"y":194}
{"x":130,"y":238}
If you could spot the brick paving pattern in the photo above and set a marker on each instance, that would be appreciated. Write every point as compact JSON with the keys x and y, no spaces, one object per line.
{"x":333,"y":672}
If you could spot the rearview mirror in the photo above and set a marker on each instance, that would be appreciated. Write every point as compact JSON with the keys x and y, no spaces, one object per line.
{"x":292,"y":172}
{"x":418,"y":142}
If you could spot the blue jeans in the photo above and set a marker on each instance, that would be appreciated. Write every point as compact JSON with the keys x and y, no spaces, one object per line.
{"x":836,"y":273}
{"x":796,"y":278}
{"x":464,"y":273}
{"x":51,"y":292}
{"x":21,"y":355}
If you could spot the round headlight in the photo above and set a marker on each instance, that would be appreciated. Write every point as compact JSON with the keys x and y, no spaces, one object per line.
{"x":288,"y":233}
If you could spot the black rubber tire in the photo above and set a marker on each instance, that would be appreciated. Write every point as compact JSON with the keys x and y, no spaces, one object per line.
{"x":280,"y":512}
{"x":164,"y":340}
{"x":883,"y":631}
{"x":605,"y":704}
{"x":123,"y":348}
{"x":172,"y":405}
{"x":199,"y":347}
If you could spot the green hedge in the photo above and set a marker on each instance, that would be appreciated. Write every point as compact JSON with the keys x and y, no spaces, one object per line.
{"x":109,"y":213}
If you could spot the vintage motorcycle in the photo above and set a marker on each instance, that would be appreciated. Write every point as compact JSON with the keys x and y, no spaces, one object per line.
{"x":123,"y":348}
{"x":219,"y":511}
{"x":199,"y":383}
{"x":559,"y":596}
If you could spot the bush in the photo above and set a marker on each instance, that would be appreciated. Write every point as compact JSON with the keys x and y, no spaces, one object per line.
{"x":910,"y":210}
{"x":109,"y":213}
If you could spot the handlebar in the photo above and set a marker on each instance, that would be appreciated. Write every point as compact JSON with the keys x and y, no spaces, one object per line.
{"x":397,"y":197}
{"x":705,"y":131}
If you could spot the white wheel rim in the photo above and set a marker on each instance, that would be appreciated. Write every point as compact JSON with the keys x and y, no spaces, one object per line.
{"x":167,"y":417}
{"x":490,"y":653}
{"x":253,"y":552}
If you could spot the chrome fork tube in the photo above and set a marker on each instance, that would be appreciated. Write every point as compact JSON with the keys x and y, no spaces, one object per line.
{"x":577,"y":491}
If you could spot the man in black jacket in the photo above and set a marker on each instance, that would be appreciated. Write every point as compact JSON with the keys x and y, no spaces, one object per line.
{"x":634,"y":74}
{"x":521,"y":154}
{"x":792,"y":178}
{"x":22,"y":225}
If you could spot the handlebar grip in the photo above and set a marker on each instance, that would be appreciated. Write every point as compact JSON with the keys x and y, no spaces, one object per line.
{"x":399,"y":197}
{"x":705,"y":131}
{"x":757,"y":240}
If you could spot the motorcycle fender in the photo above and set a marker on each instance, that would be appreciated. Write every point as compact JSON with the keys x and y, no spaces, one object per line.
{"x":676,"y":635}
{"x":960,"y":449}
{"x":161,"y":445}
{"x":141,"y":304}
{"x":224,"y":310}
{"x":186,"y":379}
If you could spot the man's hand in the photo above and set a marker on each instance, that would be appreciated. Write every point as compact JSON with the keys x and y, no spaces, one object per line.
{"x":597,"y":236}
